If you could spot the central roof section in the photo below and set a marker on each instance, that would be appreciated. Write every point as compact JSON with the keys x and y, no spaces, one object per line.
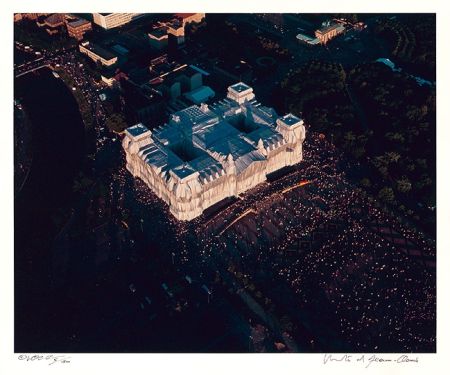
{"x":201,"y":140}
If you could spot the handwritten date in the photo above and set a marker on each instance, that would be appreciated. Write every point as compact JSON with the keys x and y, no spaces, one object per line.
{"x":51,"y":359}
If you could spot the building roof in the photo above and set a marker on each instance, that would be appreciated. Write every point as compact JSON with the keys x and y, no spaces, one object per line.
{"x":209,"y":137}
{"x":200,"y":95}
{"x":55,"y":19}
{"x":268,"y":136}
{"x":200,"y":70}
{"x":184,"y":15}
{"x":240,"y":87}
{"x":183,"y":170}
{"x":290,"y":119}
{"x":99,"y":51}
{"x":120,"y":49}
{"x":159,"y":33}
{"x":308,"y":39}
{"x":327,"y":29}
{"x":137,"y":130}
{"x":78,"y":22}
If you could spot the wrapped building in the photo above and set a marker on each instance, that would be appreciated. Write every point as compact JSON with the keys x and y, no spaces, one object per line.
{"x":207,"y":153}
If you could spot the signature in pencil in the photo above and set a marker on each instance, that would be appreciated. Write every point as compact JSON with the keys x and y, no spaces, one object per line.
{"x":51,"y":359}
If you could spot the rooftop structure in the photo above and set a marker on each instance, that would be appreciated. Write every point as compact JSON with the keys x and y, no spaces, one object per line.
{"x":190,"y":17}
{"x":51,"y":23}
{"x":329,"y":32}
{"x":55,"y":20}
{"x":30,"y":16}
{"x":121,"y":50}
{"x":200,"y":94}
{"x":77,"y":27}
{"x":321,"y":35}
{"x":308,"y":39}
{"x":205,"y":154}
{"x":158,"y":37}
{"x":98,"y":53}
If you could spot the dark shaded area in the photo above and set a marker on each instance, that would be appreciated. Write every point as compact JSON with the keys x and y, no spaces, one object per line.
{"x":57,"y":156}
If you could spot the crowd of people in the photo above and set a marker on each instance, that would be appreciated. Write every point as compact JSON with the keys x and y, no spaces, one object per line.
{"x":352,"y":276}
{"x":356,"y":278}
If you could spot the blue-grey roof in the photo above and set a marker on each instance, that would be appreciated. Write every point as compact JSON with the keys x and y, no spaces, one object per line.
{"x":200,"y":70}
{"x":231,"y":145}
{"x":201,"y":94}
{"x":208,"y":136}
{"x":183,"y":170}
{"x":308,"y":39}
{"x":246,"y":160}
{"x":266,"y":134}
{"x":290,"y":119}
{"x":240,"y":87}
{"x":137,"y":130}
{"x":100,"y":51}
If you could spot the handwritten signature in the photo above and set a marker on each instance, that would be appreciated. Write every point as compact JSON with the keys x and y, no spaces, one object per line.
{"x":50,"y":358}
{"x":367,"y":359}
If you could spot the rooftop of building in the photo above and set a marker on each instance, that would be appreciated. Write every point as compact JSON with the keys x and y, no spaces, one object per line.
{"x":159,"y":32}
{"x":327,"y":29}
{"x":99,"y":51}
{"x":290,"y":119}
{"x":196,"y":138}
{"x":184,"y":15}
{"x":137,"y":130}
{"x":120,"y":49}
{"x":55,"y":19}
{"x":240,"y":87}
{"x":200,"y":70}
{"x":188,"y":71}
{"x":308,"y":39}
{"x":200,"y":95}
{"x":78,"y":22}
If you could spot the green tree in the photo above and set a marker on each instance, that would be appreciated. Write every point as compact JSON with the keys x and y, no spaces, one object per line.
{"x":392,"y":157}
{"x":365,"y":182}
{"x":404,"y":185}
{"x":386,"y":194}
{"x":116,"y":122}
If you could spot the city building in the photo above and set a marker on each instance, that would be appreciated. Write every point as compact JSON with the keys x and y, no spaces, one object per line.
{"x":190,"y":79}
{"x":176,"y":30}
{"x":187,"y":18}
{"x":173,"y":29}
{"x":200,"y":95}
{"x":111,"y":20}
{"x":108,"y":76}
{"x":205,"y":154}
{"x":53,"y":23}
{"x":121,"y":50}
{"x":98,"y":54}
{"x":321,"y":35}
{"x":325,"y":34}
{"x":158,"y":38}
{"x":77,"y":27}
{"x":307,"y":39}
{"x":28,"y":16}
{"x":171,"y":88}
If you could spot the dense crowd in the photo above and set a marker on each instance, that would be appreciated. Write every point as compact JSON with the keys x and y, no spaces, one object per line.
{"x":353,"y":276}
{"x":382,"y":298}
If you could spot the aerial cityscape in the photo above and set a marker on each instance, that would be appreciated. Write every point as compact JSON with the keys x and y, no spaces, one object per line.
{"x":224,"y":183}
